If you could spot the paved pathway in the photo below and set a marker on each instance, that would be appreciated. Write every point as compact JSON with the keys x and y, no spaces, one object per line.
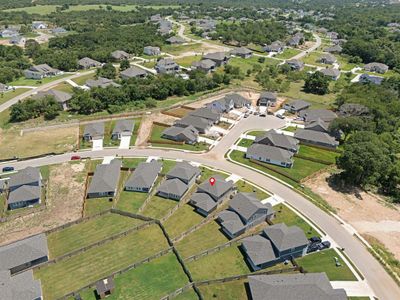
{"x":125,"y":142}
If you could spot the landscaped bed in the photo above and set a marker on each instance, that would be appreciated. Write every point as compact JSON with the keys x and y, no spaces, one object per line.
{"x":96,"y":263}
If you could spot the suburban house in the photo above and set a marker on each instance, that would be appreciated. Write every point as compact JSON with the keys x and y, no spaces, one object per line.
{"x":334,"y":49}
{"x":87,"y":63}
{"x":167,"y":66}
{"x":16,"y":260}
{"x":60,"y":97}
{"x":229,"y":102}
{"x":220,"y":58}
{"x":294,"y":287}
{"x":267,"y":99}
{"x":105,"y":179}
{"x":206,"y":65}
{"x":317,"y":125}
{"x":38,"y":25}
{"x":332,"y":35}
{"x":316,"y":138}
{"x":18,"y":40}
{"x":376,"y":67}
{"x":309,"y":115}
{"x":40,"y":72}
{"x":122,"y":128}
{"x":242,"y":52}
{"x":24,"y":188}
{"x":105,"y":287}
{"x":238,"y":100}
{"x":208,"y":197}
{"x":295,"y":64}
{"x":294,"y":41}
{"x":328,"y":59}
{"x":3,"y":87}
{"x":9,"y":33}
{"x":202,"y":125}
{"x":178,"y":181}
{"x":366,"y":78}
{"x":188,"y":135}
{"x":275,"y":244}
{"x":133,"y":72}
{"x":245,"y":211}
{"x":276,"y":46}
{"x":272,"y":138}
{"x":270,"y":154}
{"x":174,"y":40}
{"x":296,"y":106}
{"x":165,"y":27}
{"x":333,"y":74}
{"x":206,"y":113}
{"x":100,"y":82}
{"x":144,"y":177}
{"x":93,"y":131}
{"x":152,"y":51}
{"x":120,"y":55}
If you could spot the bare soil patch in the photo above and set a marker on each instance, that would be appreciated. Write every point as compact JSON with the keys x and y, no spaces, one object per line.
{"x":64,"y":204}
{"x":367,"y":213}
{"x":147,"y":122}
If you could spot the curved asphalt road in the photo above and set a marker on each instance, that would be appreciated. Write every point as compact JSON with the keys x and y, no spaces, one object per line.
{"x":381,"y":283}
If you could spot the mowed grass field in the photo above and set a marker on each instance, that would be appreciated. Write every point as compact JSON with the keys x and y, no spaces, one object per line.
{"x":182,"y":220}
{"x":245,"y":187}
{"x":152,"y":280}
{"x":234,"y":290}
{"x":96,"y":263}
{"x":158,"y":207}
{"x":224,"y":263}
{"x":88,"y":232}
{"x":131,"y":201}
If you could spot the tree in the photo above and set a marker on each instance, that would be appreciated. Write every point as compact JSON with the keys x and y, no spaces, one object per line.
{"x":124,"y":64}
{"x":317,"y":83}
{"x":83,"y":103}
{"x":107,"y":71}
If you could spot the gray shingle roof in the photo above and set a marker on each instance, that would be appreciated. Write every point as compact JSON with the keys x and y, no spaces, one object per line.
{"x":317,"y":123}
{"x":270,"y":152}
{"x":124,"y":127}
{"x":333,"y":49}
{"x":216,"y":56}
{"x":175,"y":40}
{"x":206,"y":113}
{"x":184,"y":171}
{"x":105,"y":178}
{"x":25,"y":176}
{"x":294,"y":287}
{"x":375,"y":66}
{"x":203,"y":201}
{"x":101,"y":82}
{"x":23,"y":251}
{"x":205,"y":64}
{"x":218,"y":189}
{"x":268,"y":96}
{"x":327,"y":57}
{"x":246,"y":205}
{"x":188,"y":133}
{"x":241,"y":51}
{"x":278,"y":140}
{"x":94,"y":129}
{"x":197,"y":122}
{"x":173,"y":186}
{"x":144,"y":175}
{"x":330,"y":72}
{"x":315,"y":136}
{"x":258,"y":249}
{"x":59,"y":96}
{"x":238,"y":100}
{"x":87,"y":62}
{"x":132,"y":72}
{"x":298,"y":105}
{"x":19,"y":287}
{"x":24,"y":193}
{"x":119,"y":54}
{"x":284,"y":237}
{"x":313,"y":114}
{"x":43,"y":68}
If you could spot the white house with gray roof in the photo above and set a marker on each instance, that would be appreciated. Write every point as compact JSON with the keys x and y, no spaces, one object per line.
{"x":220,"y":58}
{"x":242,"y":52}
{"x":93,"y":131}
{"x":270,"y":154}
{"x":16,"y":259}
{"x":272,"y":138}
{"x":105,"y":179}
{"x":296,"y":106}
{"x":312,"y":137}
{"x":123,"y":128}
{"x":41,"y":71}
{"x":184,"y":172}
{"x":275,"y":244}
{"x":306,"y":286}
{"x":245,"y":211}
{"x":167,"y":66}
{"x":144,"y":177}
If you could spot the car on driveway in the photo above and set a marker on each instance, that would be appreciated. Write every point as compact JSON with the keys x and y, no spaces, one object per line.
{"x":315,"y":239}
{"x":8,"y":169}
{"x":324,"y":245}
{"x":312,"y":248}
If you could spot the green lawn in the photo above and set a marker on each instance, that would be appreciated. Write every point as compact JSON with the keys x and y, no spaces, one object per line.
{"x":245,"y":143}
{"x":317,"y":153}
{"x":291,"y":128}
{"x":249,"y":63}
{"x":323,"y":261}
{"x":224,"y":263}
{"x":256,"y":133}
{"x":285,"y":215}
{"x":96,"y":263}
{"x":131,"y":201}
{"x":187,"y":60}
{"x":207,"y":236}
{"x":158,"y":141}
{"x":245,"y":187}
{"x":182,"y":220}
{"x":168,"y":165}
{"x":4,"y":97}
{"x":234,"y":290}
{"x":86,"y":233}
{"x":135,"y":131}
{"x":64,"y":87}
{"x":288,"y":53}
{"x":206,"y":173}
{"x":152,"y":280}
{"x":33,"y":82}
{"x":158,"y":207}
{"x":82,"y":79}
{"x":132,"y":162}
{"x":187,"y":295}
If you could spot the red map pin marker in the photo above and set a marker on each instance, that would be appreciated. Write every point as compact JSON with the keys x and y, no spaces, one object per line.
{"x":212,"y":181}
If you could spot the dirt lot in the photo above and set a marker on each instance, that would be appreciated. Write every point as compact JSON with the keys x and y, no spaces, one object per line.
{"x":368,"y":214}
{"x":37,"y":142}
{"x":64,"y":204}
{"x":145,"y":126}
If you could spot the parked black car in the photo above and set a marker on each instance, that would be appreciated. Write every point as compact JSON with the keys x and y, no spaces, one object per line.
{"x":312,"y":247}
{"x":8,"y":169}
{"x":315,"y":239}
{"x":324,"y":245}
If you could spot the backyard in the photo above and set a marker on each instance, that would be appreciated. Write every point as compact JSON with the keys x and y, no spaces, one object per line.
{"x":182,"y":220}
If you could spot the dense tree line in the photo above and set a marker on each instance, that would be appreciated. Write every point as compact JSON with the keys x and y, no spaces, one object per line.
{"x":12,"y":62}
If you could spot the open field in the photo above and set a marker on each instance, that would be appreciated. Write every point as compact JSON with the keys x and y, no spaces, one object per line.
{"x":33,"y":82}
{"x":158,"y":207}
{"x":135,"y":130}
{"x":224,"y":263}
{"x":249,"y":63}
{"x":96,"y":263}
{"x":234,"y":290}
{"x":31,"y":143}
{"x":200,"y":240}
{"x":284,"y":214}
{"x":48,"y":9}
{"x":187,"y":61}
{"x":86,"y":233}
{"x":4,"y":97}
{"x":323,"y":261}
{"x":152,"y":280}
{"x":183,"y":219}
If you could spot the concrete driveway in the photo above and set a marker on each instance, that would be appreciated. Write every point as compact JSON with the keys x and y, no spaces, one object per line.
{"x":125,"y":142}
{"x":97,"y":145}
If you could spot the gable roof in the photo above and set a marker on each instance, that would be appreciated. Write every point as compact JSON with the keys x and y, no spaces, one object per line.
{"x":328,"y":57}
{"x":219,"y":188}
{"x":376,"y":65}
{"x":238,"y":100}
{"x":105,"y":178}
{"x":270,"y":152}
{"x":294,"y":287}
{"x":246,"y":205}
{"x":144,"y":175}
{"x":315,"y":136}
{"x":43,"y":68}
{"x":118,"y":54}
{"x":318,"y":122}
{"x":313,"y":114}
{"x":335,"y":48}
{"x":203,"y":201}
{"x":284,"y":237}
{"x":101,"y":82}
{"x":297,"y":105}
{"x":330,"y":72}
{"x":173,"y":186}
{"x":196,"y":122}
{"x":124,"y":126}
{"x":87,"y":61}
{"x":25,"y":176}
{"x":24,"y":193}
{"x":205,"y":64}
{"x":206,"y":113}
{"x":184,"y":171}
{"x":188,"y":133}
{"x":241,"y":51}
{"x":268,"y":96}
{"x":278,"y":140}
{"x":259,"y":249}
{"x":94,"y":129}
{"x":20,"y":286}
{"x":216,"y":56}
